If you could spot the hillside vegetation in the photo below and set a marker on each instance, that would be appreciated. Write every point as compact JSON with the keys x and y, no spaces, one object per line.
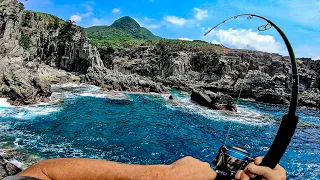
{"x":126,"y":32}
{"x":123,"y":31}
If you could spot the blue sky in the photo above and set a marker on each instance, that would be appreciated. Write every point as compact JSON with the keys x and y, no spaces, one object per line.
{"x":189,"y":19}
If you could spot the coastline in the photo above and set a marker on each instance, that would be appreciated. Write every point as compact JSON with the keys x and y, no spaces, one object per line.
{"x":25,"y":158}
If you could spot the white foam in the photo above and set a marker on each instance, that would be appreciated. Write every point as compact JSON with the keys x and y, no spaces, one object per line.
{"x":27,"y":112}
{"x":17,"y":163}
{"x":16,"y":142}
{"x":65,"y":85}
{"x":244,"y":115}
{"x":84,"y":87}
{"x":4,"y":103}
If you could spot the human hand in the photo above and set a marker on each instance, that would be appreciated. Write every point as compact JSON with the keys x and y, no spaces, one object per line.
{"x":189,"y":168}
{"x":252,"y":170}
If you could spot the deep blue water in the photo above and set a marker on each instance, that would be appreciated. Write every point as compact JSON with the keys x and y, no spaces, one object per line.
{"x":150,"y":129}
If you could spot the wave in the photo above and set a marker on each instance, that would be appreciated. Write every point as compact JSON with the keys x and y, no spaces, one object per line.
{"x":28,"y":112}
{"x":244,"y":115}
{"x":4,"y":103}
{"x":108,"y":95}
{"x":75,"y":87}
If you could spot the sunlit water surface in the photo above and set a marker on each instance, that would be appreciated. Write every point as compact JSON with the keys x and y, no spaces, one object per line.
{"x":150,"y":129}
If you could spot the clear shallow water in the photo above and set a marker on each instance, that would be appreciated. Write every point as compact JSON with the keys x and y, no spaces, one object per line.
{"x":150,"y":129}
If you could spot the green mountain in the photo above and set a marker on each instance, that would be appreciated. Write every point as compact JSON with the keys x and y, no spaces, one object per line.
{"x":122,"y":30}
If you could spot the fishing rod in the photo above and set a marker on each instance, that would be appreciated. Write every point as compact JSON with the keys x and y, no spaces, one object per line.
{"x":230,"y":159}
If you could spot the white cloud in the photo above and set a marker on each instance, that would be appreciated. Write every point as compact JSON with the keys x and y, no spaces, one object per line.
{"x":76,"y":18}
{"x":216,"y":42}
{"x":200,"y":14}
{"x":88,"y":14}
{"x":97,"y":22}
{"x":317,"y":58}
{"x":152,"y":26}
{"x":246,"y":39}
{"x":116,"y":10}
{"x":175,"y":20}
{"x":305,"y":13}
{"x":185,"y":39}
{"x":307,"y":50}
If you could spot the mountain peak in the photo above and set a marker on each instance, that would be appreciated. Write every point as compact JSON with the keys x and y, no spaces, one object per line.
{"x":123,"y":28}
{"x":126,"y":22}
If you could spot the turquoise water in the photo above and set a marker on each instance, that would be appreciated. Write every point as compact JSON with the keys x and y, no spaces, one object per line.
{"x":150,"y":129}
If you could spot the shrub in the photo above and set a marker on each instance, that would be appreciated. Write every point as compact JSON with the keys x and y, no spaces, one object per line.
{"x":66,"y":32}
{"x":21,"y":6}
{"x":25,"y":41}
{"x":27,"y":19}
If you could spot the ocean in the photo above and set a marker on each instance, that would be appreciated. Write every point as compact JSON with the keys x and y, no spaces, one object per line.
{"x":140,"y":128}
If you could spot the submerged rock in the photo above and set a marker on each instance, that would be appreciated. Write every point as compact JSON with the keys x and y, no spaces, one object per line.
{"x":216,"y":101}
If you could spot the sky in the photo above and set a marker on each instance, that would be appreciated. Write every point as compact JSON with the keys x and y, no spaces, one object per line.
{"x":190,"y":19}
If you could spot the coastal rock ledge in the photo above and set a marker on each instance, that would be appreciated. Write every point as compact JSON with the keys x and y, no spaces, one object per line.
{"x":216,"y":101}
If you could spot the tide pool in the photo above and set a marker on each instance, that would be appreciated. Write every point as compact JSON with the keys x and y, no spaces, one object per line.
{"x":150,"y":129}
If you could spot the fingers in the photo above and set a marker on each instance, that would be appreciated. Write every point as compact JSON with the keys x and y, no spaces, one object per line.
{"x":266,"y":172}
{"x":244,"y":176}
{"x":238,"y":175}
{"x":251,"y":175}
{"x":258,"y":160}
{"x":213,"y":175}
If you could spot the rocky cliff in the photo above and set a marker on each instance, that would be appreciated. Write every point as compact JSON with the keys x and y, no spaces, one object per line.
{"x":259,"y":75}
{"x":37,"y":49}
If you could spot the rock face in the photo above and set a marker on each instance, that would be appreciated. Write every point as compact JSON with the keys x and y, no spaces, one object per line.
{"x":113,"y":80}
{"x":7,"y":168}
{"x":18,"y":82}
{"x":258,"y":75}
{"x":216,"y":101}
{"x":37,"y":49}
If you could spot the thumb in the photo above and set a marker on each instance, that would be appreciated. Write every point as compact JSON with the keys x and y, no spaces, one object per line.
{"x":266,"y":172}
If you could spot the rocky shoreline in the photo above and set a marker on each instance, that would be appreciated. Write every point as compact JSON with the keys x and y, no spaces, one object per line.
{"x":38,"y":49}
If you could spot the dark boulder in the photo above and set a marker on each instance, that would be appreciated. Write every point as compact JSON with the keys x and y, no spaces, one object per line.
{"x":216,"y":101}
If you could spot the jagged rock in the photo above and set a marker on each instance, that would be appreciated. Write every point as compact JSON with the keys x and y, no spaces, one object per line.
{"x":56,"y":76}
{"x":113,"y":80}
{"x":28,"y":46}
{"x":258,"y":74}
{"x":310,"y":98}
{"x":272,"y":97}
{"x":20,"y":84}
{"x":216,"y":101}
{"x":7,"y":168}
{"x":254,"y":81}
{"x":68,"y":55}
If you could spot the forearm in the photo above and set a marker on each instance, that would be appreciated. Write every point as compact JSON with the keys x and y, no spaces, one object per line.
{"x":94,"y":169}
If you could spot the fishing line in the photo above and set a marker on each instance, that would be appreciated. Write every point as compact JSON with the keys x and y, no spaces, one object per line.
{"x":237,"y":101}
{"x":288,"y":124}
